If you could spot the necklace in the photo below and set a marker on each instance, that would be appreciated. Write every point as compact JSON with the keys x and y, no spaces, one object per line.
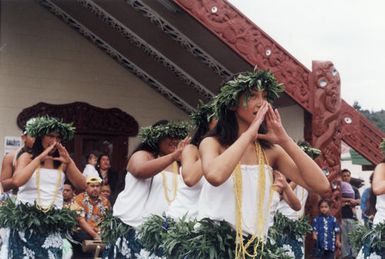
{"x":55,"y":192}
{"x":240,"y":247}
{"x":174,"y":183}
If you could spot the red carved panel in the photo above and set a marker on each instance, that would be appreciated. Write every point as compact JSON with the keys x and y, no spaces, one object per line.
{"x":86,"y":118}
{"x":253,"y":44}
{"x":360,"y":134}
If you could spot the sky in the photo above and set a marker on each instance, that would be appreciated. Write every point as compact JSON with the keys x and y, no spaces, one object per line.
{"x":350,"y":33}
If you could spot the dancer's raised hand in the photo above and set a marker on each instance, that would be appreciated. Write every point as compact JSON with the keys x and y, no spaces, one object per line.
{"x":179,"y":148}
{"x":256,"y":123}
{"x":276,"y":133}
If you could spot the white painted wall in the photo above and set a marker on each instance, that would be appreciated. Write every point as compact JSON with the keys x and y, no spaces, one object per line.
{"x":43,"y":60}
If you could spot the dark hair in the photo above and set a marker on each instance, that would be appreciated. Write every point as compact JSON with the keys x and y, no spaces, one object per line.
{"x":38,"y":148}
{"x":100,"y":157}
{"x":226,"y":130}
{"x":150,"y":148}
{"x":91,"y":154}
{"x":345,"y":170}
{"x":69,"y":183}
{"x":199,"y":134}
{"x":322,"y":201}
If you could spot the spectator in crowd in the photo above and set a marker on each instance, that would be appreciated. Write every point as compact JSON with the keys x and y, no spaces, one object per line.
{"x":326,"y":232}
{"x":91,"y":206}
{"x":108,"y":175}
{"x":90,"y":169}
{"x":68,"y":194}
{"x":106,"y":191}
{"x":367,"y":214}
{"x":10,"y":159}
{"x":348,"y":217}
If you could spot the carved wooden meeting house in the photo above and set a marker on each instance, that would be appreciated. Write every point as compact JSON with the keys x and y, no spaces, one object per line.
{"x":143,"y":60}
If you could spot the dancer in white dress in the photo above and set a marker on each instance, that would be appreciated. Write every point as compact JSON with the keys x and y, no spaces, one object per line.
{"x":38,"y":222}
{"x":238,"y":159}
{"x":371,"y":246}
{"x":150,"y":186}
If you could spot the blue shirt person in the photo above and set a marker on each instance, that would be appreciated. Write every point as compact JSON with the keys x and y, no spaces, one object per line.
{"x":326,"y":232}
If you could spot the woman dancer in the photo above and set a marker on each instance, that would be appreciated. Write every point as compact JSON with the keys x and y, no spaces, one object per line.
{"x":239,"y":156}
{"x":38,"y":222}
{"x":375,"y":237}
{"x":150,"y":186}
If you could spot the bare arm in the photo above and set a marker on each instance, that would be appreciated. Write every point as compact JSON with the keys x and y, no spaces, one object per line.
{"x":87,"y":228}
{"x":191,"y":165}
{"x":291,"y":160}
{"x":378,"y":184}
{"x":218,"y":166}
{"x":291,"y":199}
{"x":6,"y":172}
{"x":287,"y":193}
{"x":143,"y":164}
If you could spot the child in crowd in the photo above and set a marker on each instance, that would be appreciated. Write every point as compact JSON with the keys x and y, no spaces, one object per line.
{"x":90,"y":170}
{"x":326,"y":232}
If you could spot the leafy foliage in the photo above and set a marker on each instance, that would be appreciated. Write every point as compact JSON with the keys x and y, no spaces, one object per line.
{"x":309,"y":150}
{"x":372,"y":240}
{"x":244,"y":83}
{"x":292,"y":228}
{"x":23,"y":216}
{"x":203,"y":114}
{"x":112,"y":228}
{"x":40,"y":126}
{"x":153,"y":134}
{"x":152,"y":233}
{"x":212,"y":240}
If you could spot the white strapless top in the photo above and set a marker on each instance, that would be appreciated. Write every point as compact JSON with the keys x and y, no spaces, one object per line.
{"x":142,"y":198}
{"x":218,"y":203}
{"x":186,"y":202}
{"x":50,"y":188}
{"x":285,"y":209}
{"x":380,"y":207}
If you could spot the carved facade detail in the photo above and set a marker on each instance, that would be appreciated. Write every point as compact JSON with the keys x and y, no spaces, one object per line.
{"x":163,"y":90}
{"x":253,"y":44}
{"x":179,"y":37}
{"x":359,"y":133}
{"x":326,"y":133}
{"x":146,"y":48}
{"x":86,"y":118}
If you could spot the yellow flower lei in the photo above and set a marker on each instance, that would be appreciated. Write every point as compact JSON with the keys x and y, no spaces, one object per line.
{"x":240,"y":246}
{"x":174,"y":183}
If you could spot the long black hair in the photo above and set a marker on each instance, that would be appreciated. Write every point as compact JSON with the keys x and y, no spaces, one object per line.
{"x":38,"y":148}
{"x":226,"y":131}
{"x":150,"y":148}
{"x":200,"y":133}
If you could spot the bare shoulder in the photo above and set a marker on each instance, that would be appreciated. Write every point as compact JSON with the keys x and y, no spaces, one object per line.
{"x":210,"y":142}
{"x":25,"y":157}
{"x":142,"y":155}
{"x":190,"y":149}
{"x":8,"y":158}
{"x":380,"y":168}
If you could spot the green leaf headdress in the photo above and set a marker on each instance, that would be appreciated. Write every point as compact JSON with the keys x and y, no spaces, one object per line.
{"x":244,"y":83}
{"x":382,"y":146}
{"x":203,"y":114}
{"x":41,"y":126}
{"x":309,"y":150}
{"x":153,"y":134}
